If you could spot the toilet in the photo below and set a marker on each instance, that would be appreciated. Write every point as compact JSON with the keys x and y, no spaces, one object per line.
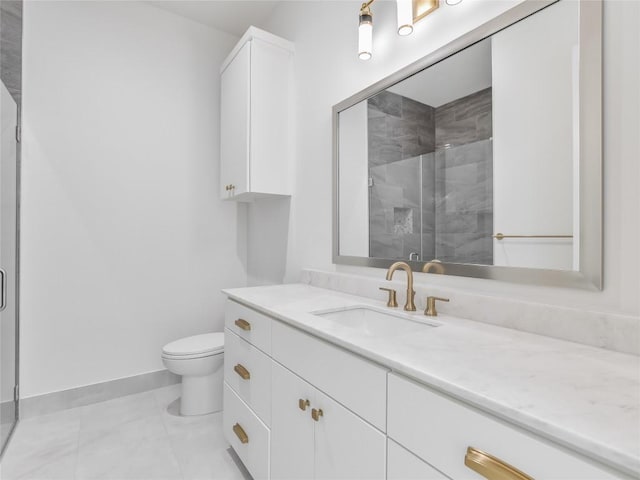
{"x":199,"y":359}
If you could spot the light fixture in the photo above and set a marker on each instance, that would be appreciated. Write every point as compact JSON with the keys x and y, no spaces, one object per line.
{"x":405,"y":17}
{"x":365,"y":32}
{"x":409,"y":12}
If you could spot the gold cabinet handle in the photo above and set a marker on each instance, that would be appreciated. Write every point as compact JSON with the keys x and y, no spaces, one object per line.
{"x":243,"y":324}
{"x":243,"y":372}
{"x":492,"y":468}
{"x":240,"y":433}
{"x":316,"y":414}
{"x":303,"y":404}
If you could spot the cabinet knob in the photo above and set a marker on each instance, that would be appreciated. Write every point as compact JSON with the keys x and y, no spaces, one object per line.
{"x":316,"y":414}
{"x":303,"y":404}
{"x":240,"y":433}
{"x":243,"y":372}
{"x":243,"y":324}
{"x":491,"y":467}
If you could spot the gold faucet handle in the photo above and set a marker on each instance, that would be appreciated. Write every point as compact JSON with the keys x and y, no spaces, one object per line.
{"x":431,"y":311}
{"x":391,"y":301}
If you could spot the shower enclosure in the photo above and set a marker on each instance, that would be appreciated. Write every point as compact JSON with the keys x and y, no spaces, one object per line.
{"x":10,"y":99}
{"x":430,"y":170}
{"x":437,"y":205}
{"x":8,"y":323}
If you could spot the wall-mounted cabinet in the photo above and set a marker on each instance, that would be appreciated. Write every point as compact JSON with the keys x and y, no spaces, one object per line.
{"x":255,"y":118}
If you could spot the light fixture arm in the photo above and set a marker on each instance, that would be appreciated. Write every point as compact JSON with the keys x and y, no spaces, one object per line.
{"x":364,"y":9}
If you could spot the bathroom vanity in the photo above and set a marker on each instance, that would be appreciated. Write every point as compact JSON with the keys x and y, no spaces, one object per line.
{"x":321,"y":384}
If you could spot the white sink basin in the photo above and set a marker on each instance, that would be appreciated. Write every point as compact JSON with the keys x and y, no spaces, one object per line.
{"x":376,"y":322}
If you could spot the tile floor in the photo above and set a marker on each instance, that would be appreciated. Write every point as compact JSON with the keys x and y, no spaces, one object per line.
{"x":138,"y":437}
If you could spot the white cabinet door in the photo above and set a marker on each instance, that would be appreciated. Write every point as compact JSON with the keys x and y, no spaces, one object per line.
{"x":292,"y":455}
{"x":235,"y":104}
{"x":346,"y":447}
{"x":404,"y":465}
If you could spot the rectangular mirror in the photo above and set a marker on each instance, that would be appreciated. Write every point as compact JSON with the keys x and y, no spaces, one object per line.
{"x":484,"y":156}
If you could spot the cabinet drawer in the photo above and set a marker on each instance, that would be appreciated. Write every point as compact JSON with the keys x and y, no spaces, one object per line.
{"x":439,"y":430}
{"x":404,"y":465}
{"x":244,"y":360}
{"x":248,"y":436}
{"x":250,"y":325}
{"x":358,"y":384}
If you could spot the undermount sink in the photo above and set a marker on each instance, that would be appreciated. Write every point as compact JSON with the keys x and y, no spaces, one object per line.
{"x":375,"y":322}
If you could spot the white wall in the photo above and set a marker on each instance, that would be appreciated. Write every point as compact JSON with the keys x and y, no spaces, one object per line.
{"x":125,"y":245}
{"x":327,"y":71}
{"x":353,"y":176}
{"x":535,"y":63}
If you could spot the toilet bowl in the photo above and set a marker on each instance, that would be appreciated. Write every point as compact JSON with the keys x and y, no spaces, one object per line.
{"x":199,"y":359}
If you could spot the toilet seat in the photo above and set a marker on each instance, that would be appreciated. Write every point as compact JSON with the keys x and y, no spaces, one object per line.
{"x":197,"y":346}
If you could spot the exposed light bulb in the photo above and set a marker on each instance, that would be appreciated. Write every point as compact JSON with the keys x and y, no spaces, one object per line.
{"x":365,"y":35}
{"x":453,"y":2}
{"x":405,"y":17}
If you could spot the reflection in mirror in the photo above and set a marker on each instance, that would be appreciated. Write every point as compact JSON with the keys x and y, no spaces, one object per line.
{"x":474,"y":160}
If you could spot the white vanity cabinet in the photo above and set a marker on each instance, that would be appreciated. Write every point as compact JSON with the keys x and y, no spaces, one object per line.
{"x":299,"y":407}
{"x":328,"y":410}
{"x":247,"y":386}
{"x":404,"y":465}
{"x":325,"y":421}
{"x":255,"y":117}
{"x":314,"y":437}
{"x":440,"y":430}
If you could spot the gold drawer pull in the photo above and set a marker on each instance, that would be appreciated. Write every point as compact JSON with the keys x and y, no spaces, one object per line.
{"x":240,"y":433}
{"x":303,"y":404}
{"x":243,"y":324}
{"x":316,"y":414}
{"x":492,"y":468}
{"x":243,"y":372}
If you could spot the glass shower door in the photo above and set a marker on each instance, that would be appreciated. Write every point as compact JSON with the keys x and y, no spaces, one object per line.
{"x":8,"y":227}
{"x":395,"y":209}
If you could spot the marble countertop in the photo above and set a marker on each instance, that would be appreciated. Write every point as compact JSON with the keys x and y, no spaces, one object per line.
{"x":579,"y":396}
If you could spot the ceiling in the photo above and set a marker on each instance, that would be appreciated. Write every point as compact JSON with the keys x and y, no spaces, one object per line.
{"x":458,"y":76}
{"x":231,"y":16}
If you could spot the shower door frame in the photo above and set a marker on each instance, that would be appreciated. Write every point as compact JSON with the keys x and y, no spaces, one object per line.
{"x":16,"y":277}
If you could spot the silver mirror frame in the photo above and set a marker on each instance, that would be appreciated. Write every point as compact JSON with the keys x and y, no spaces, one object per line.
{"x":590,"y":99}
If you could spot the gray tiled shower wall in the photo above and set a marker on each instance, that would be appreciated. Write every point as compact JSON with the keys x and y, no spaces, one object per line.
{"x":432,"y":177}
{"x":400,"y":130}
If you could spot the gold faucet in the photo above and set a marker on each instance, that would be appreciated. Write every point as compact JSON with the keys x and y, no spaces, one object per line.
{"x":409,"y":306}
{"x":434,"y":265}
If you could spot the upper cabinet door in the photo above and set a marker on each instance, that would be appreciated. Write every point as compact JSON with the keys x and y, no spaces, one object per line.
{"x":235,"y":106}
{"x":256,"y":143}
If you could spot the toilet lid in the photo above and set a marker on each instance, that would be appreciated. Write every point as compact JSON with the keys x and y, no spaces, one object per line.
{"x":205,"y":343}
